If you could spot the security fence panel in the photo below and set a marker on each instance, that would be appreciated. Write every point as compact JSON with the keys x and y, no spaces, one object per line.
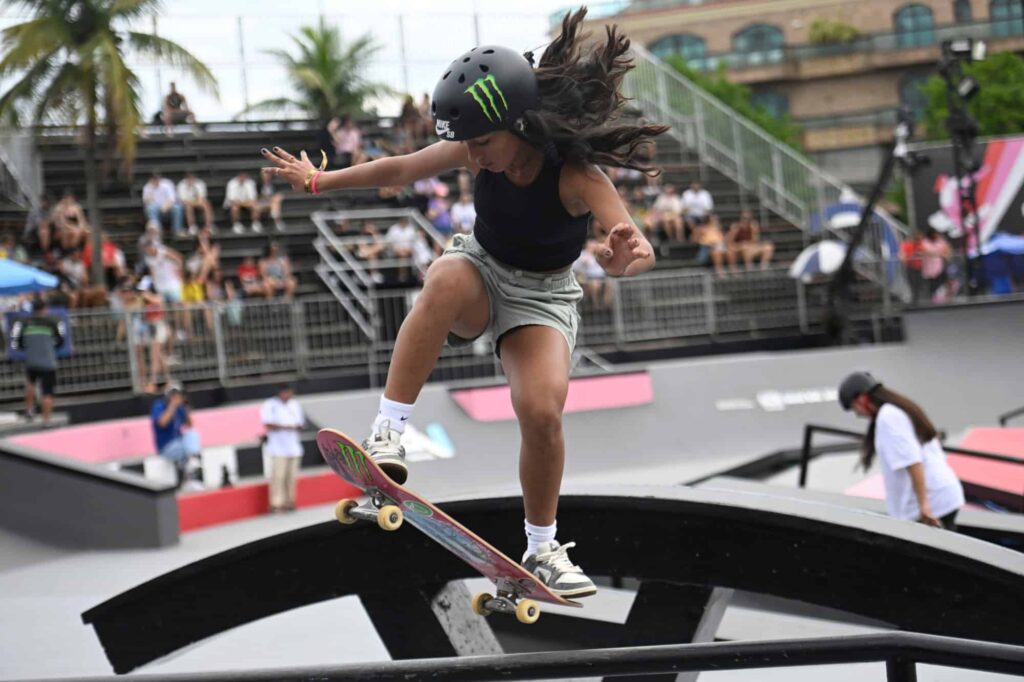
{"x":332,"y":339}
{"x":756,"y":300}
{"x":262,"y":339}
{"x":662,"y":306}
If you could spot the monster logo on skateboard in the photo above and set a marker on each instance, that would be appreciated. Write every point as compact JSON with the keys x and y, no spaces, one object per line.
{"x":390,"y":504}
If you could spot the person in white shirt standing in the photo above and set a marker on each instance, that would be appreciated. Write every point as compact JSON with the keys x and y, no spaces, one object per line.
{"x":919,"y":483}
{"x":283,"y":419}
{"x":241,"y":193}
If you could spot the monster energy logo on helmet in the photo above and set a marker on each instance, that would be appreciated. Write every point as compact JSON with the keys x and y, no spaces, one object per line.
{"x":483,"y":86}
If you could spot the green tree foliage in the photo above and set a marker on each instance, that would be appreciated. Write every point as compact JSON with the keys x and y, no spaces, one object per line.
{"x":738,"y":97}
{"x":828,"y":31}
{"x":68,"y":65}
{"x":998,"y":107}
{"x":326,"y":75}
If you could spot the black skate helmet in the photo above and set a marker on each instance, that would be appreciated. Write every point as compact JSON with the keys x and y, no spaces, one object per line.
{"x":855,"y":385}
{"x":485,"y":90}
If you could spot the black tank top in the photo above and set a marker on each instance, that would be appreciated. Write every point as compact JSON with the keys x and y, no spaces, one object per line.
{"x":528,"y":227}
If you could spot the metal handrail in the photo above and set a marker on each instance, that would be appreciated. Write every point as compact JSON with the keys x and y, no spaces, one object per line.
{"x":901,"y":652}
{"x":808,"y":452}
{"x":1004,"y":418}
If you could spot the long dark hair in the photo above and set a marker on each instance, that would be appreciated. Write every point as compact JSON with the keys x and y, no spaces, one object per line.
{"x":923,"y":427}
{"x":580,"y":102}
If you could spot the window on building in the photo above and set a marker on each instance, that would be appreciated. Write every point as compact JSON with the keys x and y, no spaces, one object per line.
{"x":962,"y":11}
{"x":912,"y":96}
{"x":759,"y":44}
{"x":775,"y":103}
{"x":686,"y":45}
{"x":915,"y":26}
{"x":1007,"y":18}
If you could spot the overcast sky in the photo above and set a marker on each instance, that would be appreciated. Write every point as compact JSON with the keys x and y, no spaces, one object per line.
{"x":419,"y":38}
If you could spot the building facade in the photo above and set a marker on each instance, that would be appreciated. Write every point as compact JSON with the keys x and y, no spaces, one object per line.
{"x":841,"y":69}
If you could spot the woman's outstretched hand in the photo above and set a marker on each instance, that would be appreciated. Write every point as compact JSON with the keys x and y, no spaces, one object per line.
{"x":623,"y":246}
{"x":292,"y":170}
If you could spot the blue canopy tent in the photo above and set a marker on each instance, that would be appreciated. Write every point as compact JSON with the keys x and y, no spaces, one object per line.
{"x":17,"y":278}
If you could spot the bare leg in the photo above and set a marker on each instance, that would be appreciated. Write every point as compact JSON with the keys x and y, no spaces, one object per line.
{"x":536,"y":361}
{"x":453,"y":299}
{"x":30,"y":397}
{"x":190,"y":214}
{"x":47,"y":408}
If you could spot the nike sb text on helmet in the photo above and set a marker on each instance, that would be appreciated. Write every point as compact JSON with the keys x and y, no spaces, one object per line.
{"x":485,"y":90}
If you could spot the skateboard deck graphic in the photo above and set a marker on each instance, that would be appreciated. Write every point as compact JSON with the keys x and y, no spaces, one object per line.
{"x":348,"y":459}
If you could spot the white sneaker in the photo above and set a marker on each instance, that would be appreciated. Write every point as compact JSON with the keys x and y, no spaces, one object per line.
{"x":237,"y":228}
{"x":279,"y":224}
{"x":257,"y":226}
{"x":193,"y":230}
{"x":552,"y":567}
{"x":385,"y":448}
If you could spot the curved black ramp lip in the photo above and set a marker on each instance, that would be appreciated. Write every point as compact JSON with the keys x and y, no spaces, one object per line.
{"x":916,"y":578}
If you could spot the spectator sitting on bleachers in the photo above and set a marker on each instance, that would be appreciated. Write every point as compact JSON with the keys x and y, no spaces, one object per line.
{"x":276,"y":271}
{"x":439,"y":211}
{"x":206,"y":256}
{"x":411,"y":123}
{"x":665,"y":215}
{"x":465,"y":183}
{"x":75,"y":275}
{"x":463,"y":214}
{"x":270,"y":199}
{"x":159,"y":200}
{"x":192,"y":195}
{"x":222,"y":292}
{"x":114,"y":264}
{"x":70,"y":226}
{"x":698,"y":207}
{"x":253,"y":285}
{"x":241,"y":193}
{"x":592,"y":277}
{"x":424,"y":190}
{"x":370,"y":248}
{"x":712,"y":243}
{"x":175,"y":109}
{"x":744,"y":241}
{"x":10,"y":249}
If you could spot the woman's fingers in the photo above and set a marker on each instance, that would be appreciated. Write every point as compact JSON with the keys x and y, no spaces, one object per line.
{"x":273,"y":158}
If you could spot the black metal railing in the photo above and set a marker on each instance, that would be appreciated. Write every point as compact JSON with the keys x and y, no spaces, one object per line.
{"x":808,"y":451}
{"x":1012,"y":414}
{"x":901,"y":652}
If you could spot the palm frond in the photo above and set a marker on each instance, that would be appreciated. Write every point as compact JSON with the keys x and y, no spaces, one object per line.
{"x":28,"y":87}
{"x":272,"y":106}
{"x":121,"y":99}
{"x":60,"y":102}
{"x":29,"y":41}
{"x":174,"y":54}
{"x":133,"y":9}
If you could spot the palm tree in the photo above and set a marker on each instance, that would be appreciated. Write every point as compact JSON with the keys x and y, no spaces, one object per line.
{"x":326,"y":76}
{"x":68,"y":60}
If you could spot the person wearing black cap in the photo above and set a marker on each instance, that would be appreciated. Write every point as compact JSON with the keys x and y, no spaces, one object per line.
{"x":283,"y":419}
{"x":174,"y":434}
{"x":533,"y":137}
{"x":919,"y":483}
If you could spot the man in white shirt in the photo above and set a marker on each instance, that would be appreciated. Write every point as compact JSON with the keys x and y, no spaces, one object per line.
{"x":192,"y":194}
{"x":241,"y":193}
{"x":697,"y":205}
{"x":159,"y":200}
{"x":283,"y":419}
{"x":401,"y":238}
{"x":165,"y":267}
{"x":463,"y":214}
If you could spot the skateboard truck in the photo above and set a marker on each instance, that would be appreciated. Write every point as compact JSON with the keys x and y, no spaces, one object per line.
{"x":526,"y":611}
{"x":378,"y":510}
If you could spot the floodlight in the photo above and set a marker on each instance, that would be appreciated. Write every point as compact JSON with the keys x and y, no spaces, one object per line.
{"x":968,"y":88}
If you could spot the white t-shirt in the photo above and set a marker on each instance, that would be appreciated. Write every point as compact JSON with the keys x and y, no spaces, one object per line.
{"x":162,"y":193}
{"x":239,"y":190}
{"x":164,"y":270}
{"x":668,"y":203}
{"x":897,"y":447}
{"x":191,"y":191}
{"x":698,"y":204}
{"x":463,"y":216}
{"x":283,"y":443}
{"x":401,"y":236}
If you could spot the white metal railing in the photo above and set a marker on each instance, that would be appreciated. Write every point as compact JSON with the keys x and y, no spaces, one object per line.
{"x":784,"y":181}
{"x":21,"y":175}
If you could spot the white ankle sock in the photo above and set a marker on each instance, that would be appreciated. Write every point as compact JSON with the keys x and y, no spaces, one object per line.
{"x":538,"y":534}
{"x":398,"y":413}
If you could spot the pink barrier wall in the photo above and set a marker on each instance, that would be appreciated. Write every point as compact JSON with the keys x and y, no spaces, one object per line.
{"x":126,"y":438}
{"x":494,"y":403}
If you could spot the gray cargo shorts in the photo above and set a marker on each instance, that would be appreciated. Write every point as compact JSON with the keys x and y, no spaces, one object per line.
{"x":520,"y":298}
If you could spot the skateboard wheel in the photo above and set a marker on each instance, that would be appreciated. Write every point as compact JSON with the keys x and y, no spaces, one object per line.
{"x":341,"y":511}
{"x":479,"y":604}
{"x":527,"y":611}
{"x":389,"y":517}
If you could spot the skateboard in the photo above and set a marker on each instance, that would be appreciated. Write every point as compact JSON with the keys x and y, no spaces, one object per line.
{"x":517,"y":591}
